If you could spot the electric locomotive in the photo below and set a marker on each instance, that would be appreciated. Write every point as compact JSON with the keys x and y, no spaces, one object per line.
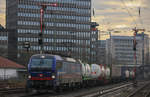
{"x":53,"y":72}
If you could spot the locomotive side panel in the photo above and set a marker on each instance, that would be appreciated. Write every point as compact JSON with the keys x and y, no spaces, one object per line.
{"x":116,"y":71}
{"x":70,"y":73}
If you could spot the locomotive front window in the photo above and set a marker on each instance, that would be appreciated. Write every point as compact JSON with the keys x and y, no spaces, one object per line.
{"x":41,"y":63}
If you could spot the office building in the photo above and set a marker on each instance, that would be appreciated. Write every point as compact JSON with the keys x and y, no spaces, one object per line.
{"x":67,"y":27}
{"x":93,"y":43}
{"x":8,"y":43}
{"x":101,"y":53}
{"x":3,"y":41}
{"x":119,"y":50}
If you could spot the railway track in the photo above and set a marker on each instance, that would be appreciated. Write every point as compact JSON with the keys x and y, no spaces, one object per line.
{"x":12,"y":91}
{"x":143,"y":91}
{"x":115,"y":90}
{"x":87,"y":92}
{"x":103,"y":91}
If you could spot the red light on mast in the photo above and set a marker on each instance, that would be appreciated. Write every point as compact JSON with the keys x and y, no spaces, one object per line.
{"x":41,"y":17}
{"x":55,"y":4}
{"x":93,"y":29}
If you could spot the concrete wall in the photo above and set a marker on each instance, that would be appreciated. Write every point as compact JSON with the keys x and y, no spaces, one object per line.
{"x":8,"y":73}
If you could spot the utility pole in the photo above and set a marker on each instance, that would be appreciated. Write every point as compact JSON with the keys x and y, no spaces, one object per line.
{"x":143,"y":53}
{"x":42,"y":25}
{"x":134,"y":46}
{"x":110,"y":54}
{"x":84,"y":50}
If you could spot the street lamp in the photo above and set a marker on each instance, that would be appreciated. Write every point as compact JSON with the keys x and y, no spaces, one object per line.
{"x":110,"y":51}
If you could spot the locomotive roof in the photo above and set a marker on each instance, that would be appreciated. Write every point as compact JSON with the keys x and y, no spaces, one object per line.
{"x":47,"y":56}
{"x":69,"y":59}
{"x":58,"y":58}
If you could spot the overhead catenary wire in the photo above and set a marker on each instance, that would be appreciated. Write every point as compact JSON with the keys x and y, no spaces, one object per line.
{"x":140,"y":18}
{"x":129,"y":12}
{"x":93,"y":9}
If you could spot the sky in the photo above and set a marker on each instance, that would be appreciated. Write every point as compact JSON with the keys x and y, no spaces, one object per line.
{"x":121,"y":16}
{"x":114,"y":15}
{"x":2,"y":12}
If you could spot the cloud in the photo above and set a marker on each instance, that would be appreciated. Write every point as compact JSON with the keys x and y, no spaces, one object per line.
{"x":98,"y":18}
{"x":118,"y":14}
{"x":122,"y":26}
{"x":110,"y":11}
{"x":112,"y":3}
{"x":2,"y":2}
{"x":2,"y":12}
{"x":2,"y":5}
{"x":2,"y":19}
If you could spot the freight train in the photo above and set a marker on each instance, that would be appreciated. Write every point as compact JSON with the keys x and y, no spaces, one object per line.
{"x":53,"y":72}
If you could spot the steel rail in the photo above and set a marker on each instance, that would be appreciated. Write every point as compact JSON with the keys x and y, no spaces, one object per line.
{"x":101,"y":92}
{"x":148,"y":94}
{"x":138,"y":90}
{"x":12,"y":91}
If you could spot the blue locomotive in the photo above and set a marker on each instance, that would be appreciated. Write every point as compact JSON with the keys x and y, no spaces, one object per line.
{"x":46,"y":71}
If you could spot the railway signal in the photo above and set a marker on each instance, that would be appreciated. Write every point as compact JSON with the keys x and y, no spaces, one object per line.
{"x":27,"y":45}
{"x":42,"y":25}
{"x":134,"y":40}
{"x":40,"y":41}
{"x":134,"y":44}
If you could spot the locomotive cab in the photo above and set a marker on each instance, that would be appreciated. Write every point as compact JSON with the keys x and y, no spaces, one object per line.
{"x":41,"y":72}
{"x":53,"y":72}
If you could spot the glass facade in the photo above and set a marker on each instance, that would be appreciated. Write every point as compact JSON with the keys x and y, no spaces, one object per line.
{"x":3,"y":38}
{"x":123,"y":53}
{"x":6,"y":36}
{"x":94,"y":46}
{"x":3,"y":42}
{"x":67,"y":26}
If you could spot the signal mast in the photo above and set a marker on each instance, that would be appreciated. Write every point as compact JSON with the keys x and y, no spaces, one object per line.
{"x":134,"y":46}
{"x":42,"y":25}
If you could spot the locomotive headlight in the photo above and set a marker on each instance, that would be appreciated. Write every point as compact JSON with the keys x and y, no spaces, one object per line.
{"x":29,"y":76}
{"x":53,"y":76}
